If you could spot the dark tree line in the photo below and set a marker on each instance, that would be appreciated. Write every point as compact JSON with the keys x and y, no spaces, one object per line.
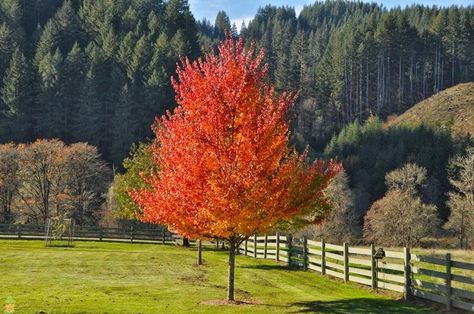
{"x":87,"y":70}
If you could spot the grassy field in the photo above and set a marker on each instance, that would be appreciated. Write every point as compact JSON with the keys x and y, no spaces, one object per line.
{"x":97,"y":277}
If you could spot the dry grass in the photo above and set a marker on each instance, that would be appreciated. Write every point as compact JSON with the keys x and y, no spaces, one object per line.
{"x":452,"y":108}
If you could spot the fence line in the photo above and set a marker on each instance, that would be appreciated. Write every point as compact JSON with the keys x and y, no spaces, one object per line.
{"x":160,"y":235}
{"x":440,"y":280}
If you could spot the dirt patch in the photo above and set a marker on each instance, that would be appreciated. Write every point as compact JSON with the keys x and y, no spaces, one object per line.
{"x":226,"y":302}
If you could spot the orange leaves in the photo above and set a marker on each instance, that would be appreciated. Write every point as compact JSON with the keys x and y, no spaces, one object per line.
{"x":225,"y":166}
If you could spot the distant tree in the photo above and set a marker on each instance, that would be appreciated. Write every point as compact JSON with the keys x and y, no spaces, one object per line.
{"x":124,"y":126}
{"x":221,"y":25}
{"x":461,"y":202}
{"x":40,"y":176}
{"x":17,"y":96}
{"x":73,"y":72}
{"x":89,"y":116}
{"x":342,"y":222}
{"x":225,"y":166}
{"x":55,"y":179}
{"x":9,"y":181}
{"x":409,"y":178}
{"x":84,"y":182}
{"x":51,"y":113}
{"x":400,"y":217}
{"x":7,"y":47}
{"x":139,"y":164}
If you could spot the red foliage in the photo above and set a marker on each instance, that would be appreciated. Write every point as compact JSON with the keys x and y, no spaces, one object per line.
{"x":226,"y":169}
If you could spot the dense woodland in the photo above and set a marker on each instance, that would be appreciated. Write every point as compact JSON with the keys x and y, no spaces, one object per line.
{"x":94,"y":71}
{"x":98,"y":71}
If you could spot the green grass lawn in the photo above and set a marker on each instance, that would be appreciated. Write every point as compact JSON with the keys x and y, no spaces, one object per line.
{"x":114,"y":278}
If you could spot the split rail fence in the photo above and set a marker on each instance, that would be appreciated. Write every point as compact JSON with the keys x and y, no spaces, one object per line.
{"x":441,"y":280}
{"x":438,"y":279}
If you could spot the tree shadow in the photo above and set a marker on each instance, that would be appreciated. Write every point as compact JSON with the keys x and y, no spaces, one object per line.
{"x":266,"y":267}
{"x":358,"y":306}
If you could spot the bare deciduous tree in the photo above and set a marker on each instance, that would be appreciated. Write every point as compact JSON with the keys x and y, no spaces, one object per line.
{"x":400,"y":217}
{"x":461,"y":202}
{"x":58,"y":179}
{"x":40,"y":172}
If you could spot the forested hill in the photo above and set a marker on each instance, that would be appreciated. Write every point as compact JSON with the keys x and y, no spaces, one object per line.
{"x":99,"y":70}
{"x":90,"y":70}
{"x":352,"y":59}
{"x":452,"y":108}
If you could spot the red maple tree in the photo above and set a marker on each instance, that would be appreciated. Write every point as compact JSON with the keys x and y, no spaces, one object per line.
{"x":226,"y":168}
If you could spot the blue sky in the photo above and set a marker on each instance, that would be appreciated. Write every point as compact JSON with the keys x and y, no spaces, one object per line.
{"x":239,"y":10}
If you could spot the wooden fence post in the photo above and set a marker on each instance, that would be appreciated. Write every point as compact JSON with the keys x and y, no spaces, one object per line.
{"x":448,"y":281}
{"x":346,"y":262}
{"x":323,"y":257}
{"x":373,"y":267}
{"x":101,"y":233}
{"x":199,"y":258}
{"x":245,"y":247}
{"x":265,"y":245}
{"x":305,"y":253}
{"x":131,"y":234}
{"x":277,"y":255}
{"x":407,"y":274}
{"x":163,"y":235}
{"x":255,"y":245}
{"x":289,"y":242}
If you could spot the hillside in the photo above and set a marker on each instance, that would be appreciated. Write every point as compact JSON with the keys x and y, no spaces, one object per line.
{"x":452,"y":107}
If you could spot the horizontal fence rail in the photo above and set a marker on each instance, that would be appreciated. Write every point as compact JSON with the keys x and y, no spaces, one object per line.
{"x":438,"y":279}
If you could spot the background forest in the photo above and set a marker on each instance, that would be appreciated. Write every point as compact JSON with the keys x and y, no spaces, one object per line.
{"x":98,"y":71}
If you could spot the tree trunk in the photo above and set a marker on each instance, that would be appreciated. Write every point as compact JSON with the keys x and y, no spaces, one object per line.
{"x":199,"y":258}
{"x":185,"y":242}
{"x":230,"y":285}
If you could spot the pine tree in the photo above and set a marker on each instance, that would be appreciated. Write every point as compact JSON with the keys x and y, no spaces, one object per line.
{"x":50,"y":102}
{"x":7,"y":46}
{"x":68,"y":26}
{"x":73,"y":73}
{"x":221,"y":25}
{"x":89,"y":117}
{"x":48,"y":41}
{"x":17,"y":97}
{"x":139,"y":60}
{"x":123,"y":125}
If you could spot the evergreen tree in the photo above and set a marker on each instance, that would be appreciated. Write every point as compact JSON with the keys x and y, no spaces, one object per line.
{"x":123,"y":125}
{"x":73,"y":72}
{"x":49,"y":99}
{"x":17,"y":98}
{"x":89,"y":117}
{"x":221,"y":25}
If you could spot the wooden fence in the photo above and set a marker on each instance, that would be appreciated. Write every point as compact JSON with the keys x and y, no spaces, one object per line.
{"x":158,"y":235}
{"x":440,"y":280}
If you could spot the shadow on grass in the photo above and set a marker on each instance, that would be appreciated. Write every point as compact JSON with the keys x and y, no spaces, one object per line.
{"x":358,"y":306}
{"x":270,"y":267}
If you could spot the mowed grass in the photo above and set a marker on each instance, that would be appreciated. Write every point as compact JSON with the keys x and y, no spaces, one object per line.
{"x":98,"y":277}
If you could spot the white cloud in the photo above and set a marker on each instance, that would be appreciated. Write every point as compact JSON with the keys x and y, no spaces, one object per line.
{"x":238,"y":21}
